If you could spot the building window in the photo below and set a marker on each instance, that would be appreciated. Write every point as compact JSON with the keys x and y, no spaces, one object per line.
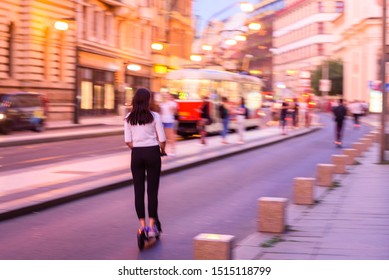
{"x":96,"y":25}
{"x":320,"y":7}
{"x":11,"y":47}
{"x":339,"y":6}
{"x":320,"y":49}
{"x":321,"y":28}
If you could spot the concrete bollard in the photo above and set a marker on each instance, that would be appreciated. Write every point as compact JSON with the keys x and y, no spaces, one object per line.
{"x":367,"y":141}
{"x":213,"y":246}
{"x":272,"y":214}
{"x":340,"y":162}
{"x":351,"y":153}
{"x":324,"y":174}
{"x":303,"y":191}
{"x":359,"y":147}
{"x":374,"y":135}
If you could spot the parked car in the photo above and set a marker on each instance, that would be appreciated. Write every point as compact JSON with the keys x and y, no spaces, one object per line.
{"x":22,"y":110}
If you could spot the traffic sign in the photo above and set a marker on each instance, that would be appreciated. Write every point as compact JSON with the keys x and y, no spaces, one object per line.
{"x":325,"y":85}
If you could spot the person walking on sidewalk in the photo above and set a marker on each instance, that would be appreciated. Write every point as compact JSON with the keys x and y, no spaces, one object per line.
{"x":145,"y":136}
{"x":356,"y":111}
{"x":225,"y":117}
{"x":340,"y":113}
{"x":241,"y":111}
{"x":205,"y":119}
{"x":168,"y":109}
{"x":284,"y":117}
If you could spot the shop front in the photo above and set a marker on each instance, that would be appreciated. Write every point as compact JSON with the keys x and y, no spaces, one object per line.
{"x":97,"y":93}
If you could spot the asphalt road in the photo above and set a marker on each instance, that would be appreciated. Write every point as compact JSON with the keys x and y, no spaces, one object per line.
{"x":219,"y":197}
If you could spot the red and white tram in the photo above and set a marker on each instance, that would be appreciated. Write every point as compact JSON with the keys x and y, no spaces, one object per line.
{"x":190,"y":85}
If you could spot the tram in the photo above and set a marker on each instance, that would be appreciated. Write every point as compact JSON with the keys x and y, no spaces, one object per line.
{"x":191,"y":85}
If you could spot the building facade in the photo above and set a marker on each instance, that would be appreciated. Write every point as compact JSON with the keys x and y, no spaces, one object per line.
{"x":259,"y":44}
{"x":359,"y":45}
{"x":173,"y":30}
{"x":92,"y":67}
{"x":303,"y":39}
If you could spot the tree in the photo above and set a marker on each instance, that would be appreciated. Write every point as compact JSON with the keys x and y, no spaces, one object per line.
{"x":335,"y":75}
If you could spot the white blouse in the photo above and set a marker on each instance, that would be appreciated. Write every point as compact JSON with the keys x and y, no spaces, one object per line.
{"x":145,"y":135}
{"x":168,"y":109}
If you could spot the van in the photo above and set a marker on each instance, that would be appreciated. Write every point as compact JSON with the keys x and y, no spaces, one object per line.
{"x":22,"y":110}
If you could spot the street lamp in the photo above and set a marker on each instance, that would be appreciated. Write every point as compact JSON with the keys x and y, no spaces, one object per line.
{"x":255,"y":26}
{"x":383,"y":85}
{"x":63,"y":25}
{"x":196,"y":57}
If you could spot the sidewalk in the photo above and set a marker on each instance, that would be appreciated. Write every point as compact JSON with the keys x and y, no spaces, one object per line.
{"x":350,"y":222}
{"x":31,"y":189}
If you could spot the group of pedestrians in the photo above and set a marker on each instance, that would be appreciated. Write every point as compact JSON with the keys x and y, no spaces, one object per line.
{"x":289,"y":115}
{"x":226,"y":111}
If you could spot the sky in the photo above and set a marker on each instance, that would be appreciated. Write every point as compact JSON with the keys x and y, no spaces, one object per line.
{"x":207,"y":8}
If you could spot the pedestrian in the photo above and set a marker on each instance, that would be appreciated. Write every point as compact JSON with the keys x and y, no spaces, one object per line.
{"x":340,"y":113}
{"x":283,"y":117}
{"x":241,"y":111}
{"x":303,"y":107}
{"x":145,"y":136}
{"x":154,"y":106}
{"x":168,"y":110}
{"x":365,"y":108}
{"x":295,"y":112}
{"x":225,"y":117}
{"x":205,"y":119}
{"x":356,"y":111}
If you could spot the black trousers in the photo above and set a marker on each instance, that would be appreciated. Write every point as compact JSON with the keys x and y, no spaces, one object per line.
{"x":146,"y":165}
{"x":339,"y":130}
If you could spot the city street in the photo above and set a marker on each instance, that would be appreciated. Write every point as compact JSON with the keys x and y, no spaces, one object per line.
{"x":219,"y":197}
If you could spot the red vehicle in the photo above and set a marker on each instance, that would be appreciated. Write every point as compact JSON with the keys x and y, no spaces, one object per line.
{"x":190,"y":85}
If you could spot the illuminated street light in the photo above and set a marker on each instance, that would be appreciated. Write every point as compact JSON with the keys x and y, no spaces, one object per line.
{"x":255,"y":26}
{"x":231,"y":42}
{"x":196,"y":57}
{"x":206,"y":47}
{"x":157,"y":46}
{"x":61,"y":25}
{"x":134,"y":67}
{"x":240,"y":38}
{"x":246,"y":7}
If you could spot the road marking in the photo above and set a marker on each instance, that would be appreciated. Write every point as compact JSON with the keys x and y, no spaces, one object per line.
{"x":42,"y":159}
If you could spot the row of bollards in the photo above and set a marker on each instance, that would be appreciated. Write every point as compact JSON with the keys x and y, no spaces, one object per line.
{"x":272,"y":211}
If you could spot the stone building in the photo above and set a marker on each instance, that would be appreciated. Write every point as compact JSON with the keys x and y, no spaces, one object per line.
{"x":303,"y":38}
{"x":359,"y":45}
{"x":92,"y":67}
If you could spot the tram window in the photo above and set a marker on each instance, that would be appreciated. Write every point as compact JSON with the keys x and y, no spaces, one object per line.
{"x":189,"y":89}
{"x":231,"y":91}
{"x":204,"y":87}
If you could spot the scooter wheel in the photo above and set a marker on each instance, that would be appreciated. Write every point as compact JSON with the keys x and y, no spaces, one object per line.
{"x":141,"y":240}
{"x":141,"y":243}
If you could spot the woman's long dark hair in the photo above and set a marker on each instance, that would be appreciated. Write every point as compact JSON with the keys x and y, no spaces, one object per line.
{"x":140,"y":113}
